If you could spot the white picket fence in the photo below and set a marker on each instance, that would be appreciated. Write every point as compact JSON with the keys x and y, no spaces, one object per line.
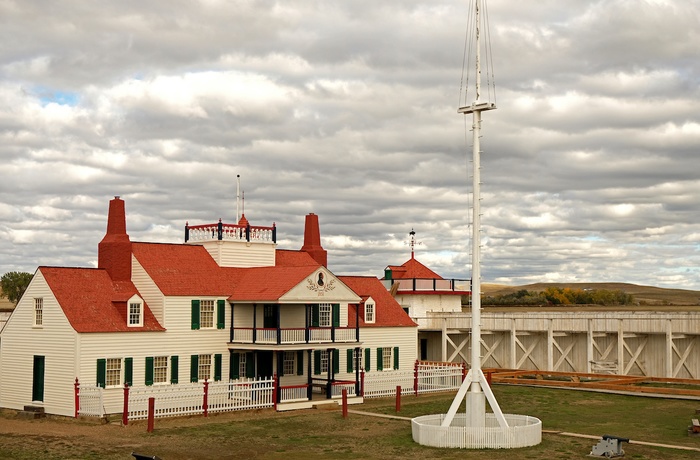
{"x":244,"y":394}
{"x":91,"y":401}
{"x":427,"y":378}
{"x":188,"y":399}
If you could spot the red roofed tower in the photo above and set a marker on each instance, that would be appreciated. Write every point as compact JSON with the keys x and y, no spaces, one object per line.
{"x":114,"y":251}
{"x":312,"y":240}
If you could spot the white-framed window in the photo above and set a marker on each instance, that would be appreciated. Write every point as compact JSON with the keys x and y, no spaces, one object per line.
{"x":39,"y":311}
{"x":356,"y":357}
{"x":369,"y":312}
{"x":160,"y":369}
{"x":387,"y":363}
{"x":324,"y":361}
{"x":113,"y":372}
{"x":135,"y":316}
{"x":324,"y":315}
{"x":242,"y":365}
{"x":206,"y":314}
{"x":204,"y":367}
{"x":290,"y":361}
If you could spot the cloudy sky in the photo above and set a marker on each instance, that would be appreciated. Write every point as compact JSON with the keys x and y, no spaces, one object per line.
{"x":348,"y":109}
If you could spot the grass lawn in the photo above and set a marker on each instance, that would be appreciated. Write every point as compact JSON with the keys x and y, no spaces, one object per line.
{"x":321,"y":434}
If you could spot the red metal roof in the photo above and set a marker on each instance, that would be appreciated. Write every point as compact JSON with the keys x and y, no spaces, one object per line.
{"x":412,"y":269}
{"x":388,"y":312}
{"x":92,"y":302}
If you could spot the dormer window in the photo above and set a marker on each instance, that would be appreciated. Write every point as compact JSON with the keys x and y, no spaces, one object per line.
{"x":135,"y":311}
{"x":369,"y":311}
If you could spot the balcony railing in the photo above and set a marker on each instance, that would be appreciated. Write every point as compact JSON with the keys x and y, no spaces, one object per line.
{"x":429,"y":284}
{"x":230,"y":232}
{"x":286,"y":336}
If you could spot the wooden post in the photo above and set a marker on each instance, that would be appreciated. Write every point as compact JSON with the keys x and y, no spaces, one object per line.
{"x":275,"y":390}
{"x":415,"y":378}
{"x":151,"y":413}
{"x":125,"y":413}
{"x":205,"y":407}
{"x":464,"y":371}
{"x":362,"y":383}
{"x":345,"y":403}
{"x":398,"y":398}
{"x":488,"y":377}
{"x":76,"y":387}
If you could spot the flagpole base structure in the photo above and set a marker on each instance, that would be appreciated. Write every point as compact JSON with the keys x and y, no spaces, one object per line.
{"x":476,"y":428}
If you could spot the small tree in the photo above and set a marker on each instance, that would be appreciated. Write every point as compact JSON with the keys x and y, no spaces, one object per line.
{"x":14,"y":284}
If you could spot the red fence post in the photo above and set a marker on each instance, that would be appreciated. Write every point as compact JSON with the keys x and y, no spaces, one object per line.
{"x":362,"y":383}
{"x":398,"y":398}
{"x":464,"y":371}
{"x":151,"y":413}
{"x":415,"y":378}
{"x":345,"y":403}
{"x":125,"y":413}
{"x":488,"y":377}
{"x":205,"y":407}
{"x":76,"y":387}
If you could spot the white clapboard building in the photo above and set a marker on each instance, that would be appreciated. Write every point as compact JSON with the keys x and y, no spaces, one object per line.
{"x":226,"y":304}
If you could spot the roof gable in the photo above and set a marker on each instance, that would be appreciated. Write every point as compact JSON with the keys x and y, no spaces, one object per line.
{"x":388,"y":312}
{"x":91,"y":301}
{"x":412,"y":269}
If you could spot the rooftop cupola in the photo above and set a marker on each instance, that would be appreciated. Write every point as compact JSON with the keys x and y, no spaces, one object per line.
{"x":312,"y":240}
{"x":114,"y":251}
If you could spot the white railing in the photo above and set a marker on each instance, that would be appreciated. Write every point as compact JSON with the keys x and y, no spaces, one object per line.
{"x":345,"y":334}
{"x":188,"y":398}
{"x":266,"y":336}
{"x":294,"y":335}
{"x":294,"y":393}
{"x":438,"y":378}
{"x":321,"y":334}
{"x":91,"y":400}
{"x":338,"y":387}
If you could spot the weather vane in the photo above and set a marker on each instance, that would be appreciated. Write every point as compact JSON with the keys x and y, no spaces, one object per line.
{"x":413,"y":241}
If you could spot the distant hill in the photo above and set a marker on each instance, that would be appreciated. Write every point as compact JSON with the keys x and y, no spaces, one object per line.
{"x":643,"y":295}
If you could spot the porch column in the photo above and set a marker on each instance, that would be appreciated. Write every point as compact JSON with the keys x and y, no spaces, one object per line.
{"x":329,"y":385}
{"x":279,"y":322}
{"x":307,"y":309}
{"x":255,"y":319}
{"x":231,"y":334}
{"x":279,"y":356}
{"x":309,"y":388}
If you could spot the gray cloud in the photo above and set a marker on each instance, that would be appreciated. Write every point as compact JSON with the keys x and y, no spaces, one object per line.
{"x":348,"y":110}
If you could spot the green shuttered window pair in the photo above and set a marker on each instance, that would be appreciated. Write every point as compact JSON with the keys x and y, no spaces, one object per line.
{"x":196,"y":318}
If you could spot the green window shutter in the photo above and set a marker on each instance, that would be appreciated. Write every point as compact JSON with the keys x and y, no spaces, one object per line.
{"x":149,"y":370}
{"x":101,"y":372}
{"x":315,"y":315}
{"x":335,"y":309}
{"x":195,"y":314}
{"x":396,"y":357}
{"x":173,"y":369}
{"x":220,"y":313}
{"x":336,"y":361}
{"x":234,"y":363}
{"x":194,"y":368}
{"x":351,"y":364}
{"x":217,"y":367}
{"x":129,"y":371}
{"x":380,"y":360}
{"x":317,"y":362}
{"x":300,"y":362}
{"x":250,"y":365}
{"x":368,"y":359}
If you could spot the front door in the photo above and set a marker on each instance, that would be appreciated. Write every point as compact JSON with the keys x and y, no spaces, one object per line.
{"x":264,"y":368}
{"x":38,"y":379}
{"x":270,"y":316}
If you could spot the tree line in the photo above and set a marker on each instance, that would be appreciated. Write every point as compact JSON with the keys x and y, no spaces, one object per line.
{"x":561,"y":296}
{"x":14,"y":284}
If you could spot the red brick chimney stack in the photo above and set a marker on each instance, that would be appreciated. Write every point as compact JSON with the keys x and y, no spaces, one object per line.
{"x":114,"y":251}
{"x":312,"y":240}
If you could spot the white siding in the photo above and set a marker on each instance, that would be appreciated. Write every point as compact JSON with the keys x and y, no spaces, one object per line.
{"x":241,"y":254}
{"x":55,"y":340}
{"x":419,"y":305}
{"x":383,"y":337}
{"x":333,"y":291}
{"x":150,"y":292}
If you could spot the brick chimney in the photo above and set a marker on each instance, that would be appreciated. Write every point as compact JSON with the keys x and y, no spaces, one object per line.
{"x":114,"y":251}
{"x":312,"y":240}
